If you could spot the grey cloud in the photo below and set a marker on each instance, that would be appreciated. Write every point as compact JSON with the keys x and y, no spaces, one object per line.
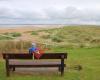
{"x":11,"y":16}
{"x":73,"y":13}
{"x":4,"y":12}
{"x":68,"y":15}
{"x":15,"y":14}
{"x":31,"y":15}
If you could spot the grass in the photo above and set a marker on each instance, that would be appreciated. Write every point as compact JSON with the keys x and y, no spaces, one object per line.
{"x":14,"y":46}
{"x":34,"y":33}
{"x":13,"y":34}
{"x":77,"y":36}
{"x":9,"y":36}
{"x":5,"y":37}
{"x":88,"y":58}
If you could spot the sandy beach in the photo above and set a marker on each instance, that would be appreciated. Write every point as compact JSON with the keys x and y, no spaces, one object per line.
{"x":27,"y":28}
{"x":25,"y":31}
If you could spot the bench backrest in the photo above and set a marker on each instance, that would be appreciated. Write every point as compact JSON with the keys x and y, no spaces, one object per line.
{"x":30,"y":56}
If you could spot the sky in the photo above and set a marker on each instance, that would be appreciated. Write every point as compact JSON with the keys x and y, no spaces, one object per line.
{"x":50,"y":12}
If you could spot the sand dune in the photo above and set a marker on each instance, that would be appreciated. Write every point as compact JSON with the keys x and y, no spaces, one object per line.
{"x":19,"y":29}
{"x":22,"y":29}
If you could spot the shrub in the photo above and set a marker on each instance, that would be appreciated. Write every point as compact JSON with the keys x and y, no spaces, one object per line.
{"x":34,"y":33}
{"x":6,"y":33}
{"x":45,"y":36}
{"x":81,"y":46}
{"x":15,"y":34}
{"x":56,"y":39}
{"x":5,"y":38}
{"x":95,"y":41}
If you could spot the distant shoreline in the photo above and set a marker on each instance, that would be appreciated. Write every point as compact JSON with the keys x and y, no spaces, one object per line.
{"x":39,"y":25}
{"x":26,"y":28}
{"x":30,"y":25}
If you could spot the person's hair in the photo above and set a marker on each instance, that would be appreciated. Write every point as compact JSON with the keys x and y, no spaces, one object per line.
{"x":34,"y":44}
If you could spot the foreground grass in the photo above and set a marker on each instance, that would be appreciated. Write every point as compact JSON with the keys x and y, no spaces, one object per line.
{"x":89,"y":59}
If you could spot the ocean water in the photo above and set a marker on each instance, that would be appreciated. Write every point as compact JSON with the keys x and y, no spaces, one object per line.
{"x":13,"y":25}
{"x":40,"y":25}
{"x":30,"y":25}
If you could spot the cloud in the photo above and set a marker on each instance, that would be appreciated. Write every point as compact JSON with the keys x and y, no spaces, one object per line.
{"x":73,"y":14}
{"x":27,"y":13}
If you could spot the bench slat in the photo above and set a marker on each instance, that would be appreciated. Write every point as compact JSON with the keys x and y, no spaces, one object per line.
{"x":32,"y":62}
{"x":30,"y":56}
{"x":53,"y":56}
{"x":17,"y":56}
{"x":26,"y":66}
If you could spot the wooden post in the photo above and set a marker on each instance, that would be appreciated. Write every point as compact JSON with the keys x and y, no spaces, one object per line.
{"x":59,"y":68}
{"x":62,"y":65}
{"x":7,"y":66}
{"x":13,"y":68}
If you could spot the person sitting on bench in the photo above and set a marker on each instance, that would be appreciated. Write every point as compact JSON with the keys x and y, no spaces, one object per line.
{"x":34,"y":49}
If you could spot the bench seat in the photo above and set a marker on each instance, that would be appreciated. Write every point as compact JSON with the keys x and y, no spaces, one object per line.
{"x":33,"y":63}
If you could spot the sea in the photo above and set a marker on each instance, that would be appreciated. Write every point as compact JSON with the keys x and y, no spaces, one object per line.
{"x":30,"y":25}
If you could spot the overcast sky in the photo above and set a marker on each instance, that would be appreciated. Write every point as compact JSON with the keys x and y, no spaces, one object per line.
{"x":49,"y":11}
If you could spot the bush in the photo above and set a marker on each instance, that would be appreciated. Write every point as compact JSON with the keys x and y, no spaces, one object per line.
{"x":56,"y":39}
{"x":45,"y":36}
{"x":5,"y":38}
{"x":14,"y":34}
{"x":95,"y":41}
{"x":34,"y":33}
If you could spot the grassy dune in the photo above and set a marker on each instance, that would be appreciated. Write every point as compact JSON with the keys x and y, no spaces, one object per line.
{"x":77,"y":36}
{"x":65,"y":37}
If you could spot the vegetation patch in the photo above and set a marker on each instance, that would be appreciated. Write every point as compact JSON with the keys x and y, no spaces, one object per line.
{"x":5,"y":37}
{"x":56,"y":39}
{"x":13,"y":34}
{"x":45,"y":36}
{"x":14,"y":46}
{"x":78,"y":36}
{"x":34,"y":33}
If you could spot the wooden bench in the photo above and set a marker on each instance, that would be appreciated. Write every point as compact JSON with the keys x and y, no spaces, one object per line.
{"x":14,"y":60}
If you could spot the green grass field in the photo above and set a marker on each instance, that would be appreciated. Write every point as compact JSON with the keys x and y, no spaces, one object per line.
{"x":88,"y":58}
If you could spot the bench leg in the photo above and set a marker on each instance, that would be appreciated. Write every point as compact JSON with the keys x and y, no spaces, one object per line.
{"x":62,"y":70}
{"x":62,"y":65}
{"x":7,"y":71}
{"x":13,"y":68}
{"x":59,"y":68}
